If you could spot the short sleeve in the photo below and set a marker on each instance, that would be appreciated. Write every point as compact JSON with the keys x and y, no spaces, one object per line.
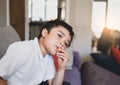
{"x":12,"y":60}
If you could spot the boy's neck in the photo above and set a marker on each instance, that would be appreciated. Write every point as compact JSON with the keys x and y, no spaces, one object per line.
{"x":42,"y":48}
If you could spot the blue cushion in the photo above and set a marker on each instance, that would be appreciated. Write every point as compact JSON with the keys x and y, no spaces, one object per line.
{"x":106,"y":62}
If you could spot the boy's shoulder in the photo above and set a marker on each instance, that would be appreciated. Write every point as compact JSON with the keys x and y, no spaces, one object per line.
{"x":27,"y":44}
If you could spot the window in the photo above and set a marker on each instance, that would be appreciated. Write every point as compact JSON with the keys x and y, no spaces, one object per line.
{"x":102,"y":16}
{"x":42,"y":10}
{"x":98,"y":18}
{"x":113,"y":14}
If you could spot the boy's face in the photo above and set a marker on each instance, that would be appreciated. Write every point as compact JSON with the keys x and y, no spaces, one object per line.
{"x":57,"y":38}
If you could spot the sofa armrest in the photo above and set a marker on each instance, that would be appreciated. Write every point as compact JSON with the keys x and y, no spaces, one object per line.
{"x":73,"y":76}
{"x":92,"y":74}
{"x":76,"y":59}
{"x":8,"y":35}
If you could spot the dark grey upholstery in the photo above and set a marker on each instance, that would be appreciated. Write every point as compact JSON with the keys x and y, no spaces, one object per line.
{"x":92,"y":74}
{"x":7,"y":36}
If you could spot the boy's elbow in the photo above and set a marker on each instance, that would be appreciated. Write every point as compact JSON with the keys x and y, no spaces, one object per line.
{"x":3,"y":82}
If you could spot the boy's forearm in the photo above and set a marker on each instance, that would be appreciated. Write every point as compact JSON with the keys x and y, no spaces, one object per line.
{"x":2,"y":81}
{"x":58,"y":80}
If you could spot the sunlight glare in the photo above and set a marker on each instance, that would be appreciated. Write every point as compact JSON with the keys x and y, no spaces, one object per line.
{"x":113,"y":18}
{"x":98,"y":18}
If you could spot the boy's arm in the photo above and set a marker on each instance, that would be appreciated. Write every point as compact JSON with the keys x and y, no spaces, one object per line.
{"x":58,"y":79}
{"x":63,"y":58}
{"x":2,"y":81}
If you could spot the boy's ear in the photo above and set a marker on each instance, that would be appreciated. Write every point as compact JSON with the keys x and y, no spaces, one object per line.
{"x":44,"y":32}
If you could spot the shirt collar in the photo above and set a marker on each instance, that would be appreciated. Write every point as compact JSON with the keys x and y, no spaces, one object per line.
{"x":39,"y":49}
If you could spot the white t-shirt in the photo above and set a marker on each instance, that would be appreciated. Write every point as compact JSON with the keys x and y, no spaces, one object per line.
{"x":23,"y":64}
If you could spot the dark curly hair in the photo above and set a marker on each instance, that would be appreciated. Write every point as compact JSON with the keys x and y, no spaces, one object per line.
{"x":54,"y":23}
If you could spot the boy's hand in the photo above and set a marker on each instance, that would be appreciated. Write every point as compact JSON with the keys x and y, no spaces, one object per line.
{"x":63,"y":58}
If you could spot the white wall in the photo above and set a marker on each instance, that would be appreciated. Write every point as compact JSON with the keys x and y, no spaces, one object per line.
{"x":5,"y":16}
{"x":79,"y":16}
{"x":4,"y":12}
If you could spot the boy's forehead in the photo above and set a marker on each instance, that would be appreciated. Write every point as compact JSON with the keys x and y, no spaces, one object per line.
{"x":64,"y":31}
{"x":61,"y":28}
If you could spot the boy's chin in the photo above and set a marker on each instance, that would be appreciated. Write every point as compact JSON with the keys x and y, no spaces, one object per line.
{"x":53,"y":53}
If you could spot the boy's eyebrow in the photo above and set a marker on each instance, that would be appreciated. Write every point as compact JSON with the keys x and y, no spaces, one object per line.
{"x":61,"y":32}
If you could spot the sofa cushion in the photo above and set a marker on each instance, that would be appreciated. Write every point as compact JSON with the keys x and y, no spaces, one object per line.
{"x":106,"y":62}
{"x":76,"y":59}
{"x":70,"y":62}
{"x":73,"y":76}
{"x":55,"y":62}
{"x":115,"y":54}
{"x":7,"y":36}
{"x":93,"y":74}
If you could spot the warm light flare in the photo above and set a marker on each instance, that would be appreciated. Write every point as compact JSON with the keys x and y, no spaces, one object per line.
{"x":98,"y":18}
{"x":113,"y":15}
{"x":99,"y":13}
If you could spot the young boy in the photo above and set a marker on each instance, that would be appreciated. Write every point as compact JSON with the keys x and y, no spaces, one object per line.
{"x":31,"y":63}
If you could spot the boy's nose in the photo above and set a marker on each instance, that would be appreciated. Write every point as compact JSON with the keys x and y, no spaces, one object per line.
{"x":62,"y":45}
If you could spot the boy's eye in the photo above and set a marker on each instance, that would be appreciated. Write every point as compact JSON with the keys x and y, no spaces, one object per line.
{"x":59,"y":35}
{"x":66,"y":44}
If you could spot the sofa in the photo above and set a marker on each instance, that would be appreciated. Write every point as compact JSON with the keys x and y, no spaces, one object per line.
{"x":73,"y":76}
{"x":8,"y":35}
{"x":105,"y":67}
{"x":93,"y":74}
